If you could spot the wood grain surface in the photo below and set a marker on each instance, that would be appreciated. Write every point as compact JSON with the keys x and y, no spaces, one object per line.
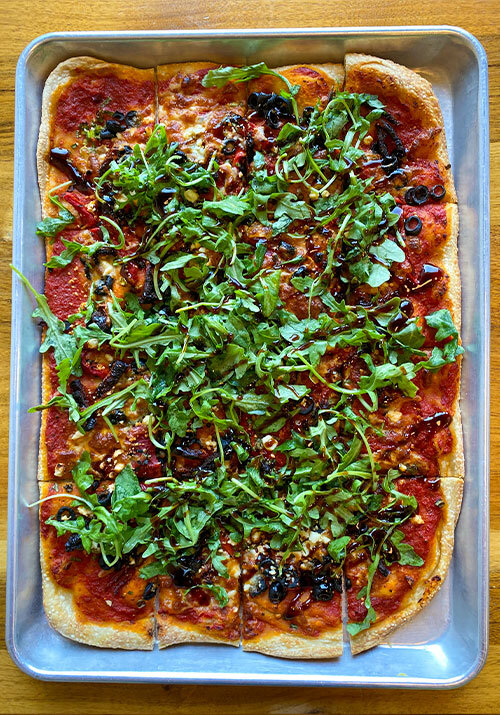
{"x":23,"y":20}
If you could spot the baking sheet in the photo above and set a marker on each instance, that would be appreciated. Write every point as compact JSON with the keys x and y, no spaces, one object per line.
{"x":444,"y":646}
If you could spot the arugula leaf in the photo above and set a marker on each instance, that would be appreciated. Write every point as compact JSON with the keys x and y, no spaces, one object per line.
{"x":64,"y":344}
{"x":50,"y":226}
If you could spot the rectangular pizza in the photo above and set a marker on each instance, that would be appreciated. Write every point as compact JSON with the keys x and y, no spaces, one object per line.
{"x":250,"y":412}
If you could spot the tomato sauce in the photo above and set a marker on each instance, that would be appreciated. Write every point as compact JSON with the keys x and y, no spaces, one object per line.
{"x":80,"y":102}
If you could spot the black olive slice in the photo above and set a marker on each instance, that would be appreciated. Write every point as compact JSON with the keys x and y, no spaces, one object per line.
{"x":300,"y":272}
{"x":149,"y":591}
{"x":438,"y":192}
{"x":258,"y":587}
{"x":66,"y":513}
{"x":73,"y":543}
{"x":104,"y":498}
{"x":273,"y":119}
{"x":413,"y":225}
{"x":117,"y":416}
{"x":229,"y":147}
{"x":277,"y":591}
{"x":383,"y":570}
{"x":256,"y":99}
{"x":417,"y":195}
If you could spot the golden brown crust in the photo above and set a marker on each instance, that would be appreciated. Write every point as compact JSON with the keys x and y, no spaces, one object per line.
{"x":453,"y":464}
{"x":287,"y":645}
{"x":431,"y":577}
{"x":386,"y":79}
{"x":171,"y":632}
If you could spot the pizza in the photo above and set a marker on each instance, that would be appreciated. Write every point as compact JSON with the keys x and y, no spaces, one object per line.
{"x":250,"y":423}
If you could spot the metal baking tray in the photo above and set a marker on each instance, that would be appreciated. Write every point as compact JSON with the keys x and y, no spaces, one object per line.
{"x":446,"y":645}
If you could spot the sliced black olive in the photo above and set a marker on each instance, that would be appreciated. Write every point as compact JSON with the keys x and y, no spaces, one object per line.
{"x":318,"y":257}
{"x":117,"y":416}
{"x":73,"y":543}
{"x":391,"y":554}
{"x":306,"y":116}
{"x":104,"y":498}
{"x":382,"y":568}
{"x":417,"y":196}
{"x":90,"y":423}
{"x":300,"y":272}
{"x":77,"y":390}
{"x":307,"y":406}
{"x":131,"y":118}
{"x":119,"y":116}
{"x":229,"y":147}
{"x":256,"y":99}
{"x":100,"y":287}
{"x":149,"y":591}
{"x":259,"y":586}
{"x":287,"y":248}
{"x":438,"y":192}
{"x":66,"y":513}
{"x":111,"y":129}
{"x":413,"y":225}
{"x":282,"y":105}
{"x":348,"y":583}
{"x":100,"y":318}
{"x":267,"y":565}
{"x":180,"y":154}
{"x":291,"y":577}
{"x":105,"y":566}
{"x":277,"y":591}
{"x":323,"y":589}
{"x":273,"y":118}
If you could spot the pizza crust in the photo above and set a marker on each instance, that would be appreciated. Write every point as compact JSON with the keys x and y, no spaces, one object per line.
{"x":294,"y":646}
{"x":386,"y":79}
{"x":170,"y":632}
{"x":431,"y":579}
{"x":453,"y":464}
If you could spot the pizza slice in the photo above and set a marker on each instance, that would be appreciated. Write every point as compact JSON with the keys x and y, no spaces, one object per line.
{"x":91,"y":111}
{"x":292,"y":605}
{"x":199,"y":600}
{"x":206,"y":120}
{"x":398,"y":556}
{"x":93,"y":591}
{"x":411,"y":127}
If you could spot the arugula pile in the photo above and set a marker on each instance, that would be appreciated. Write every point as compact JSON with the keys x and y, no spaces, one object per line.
{"x":218,"y":346}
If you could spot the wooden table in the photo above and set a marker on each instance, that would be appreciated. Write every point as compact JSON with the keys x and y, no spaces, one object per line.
{"x":22,"y":20}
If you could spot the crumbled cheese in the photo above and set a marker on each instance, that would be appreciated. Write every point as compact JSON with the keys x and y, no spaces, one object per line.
{"x":417,"y":519}
{"x":394,"y":415}
{"x":269,"y":442}
{"x":77,"y":435}
{"x":93,"y":343}
{"x":191,"y":195}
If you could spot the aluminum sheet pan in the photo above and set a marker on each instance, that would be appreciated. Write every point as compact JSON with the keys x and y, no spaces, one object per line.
{"x":446,"y":645}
